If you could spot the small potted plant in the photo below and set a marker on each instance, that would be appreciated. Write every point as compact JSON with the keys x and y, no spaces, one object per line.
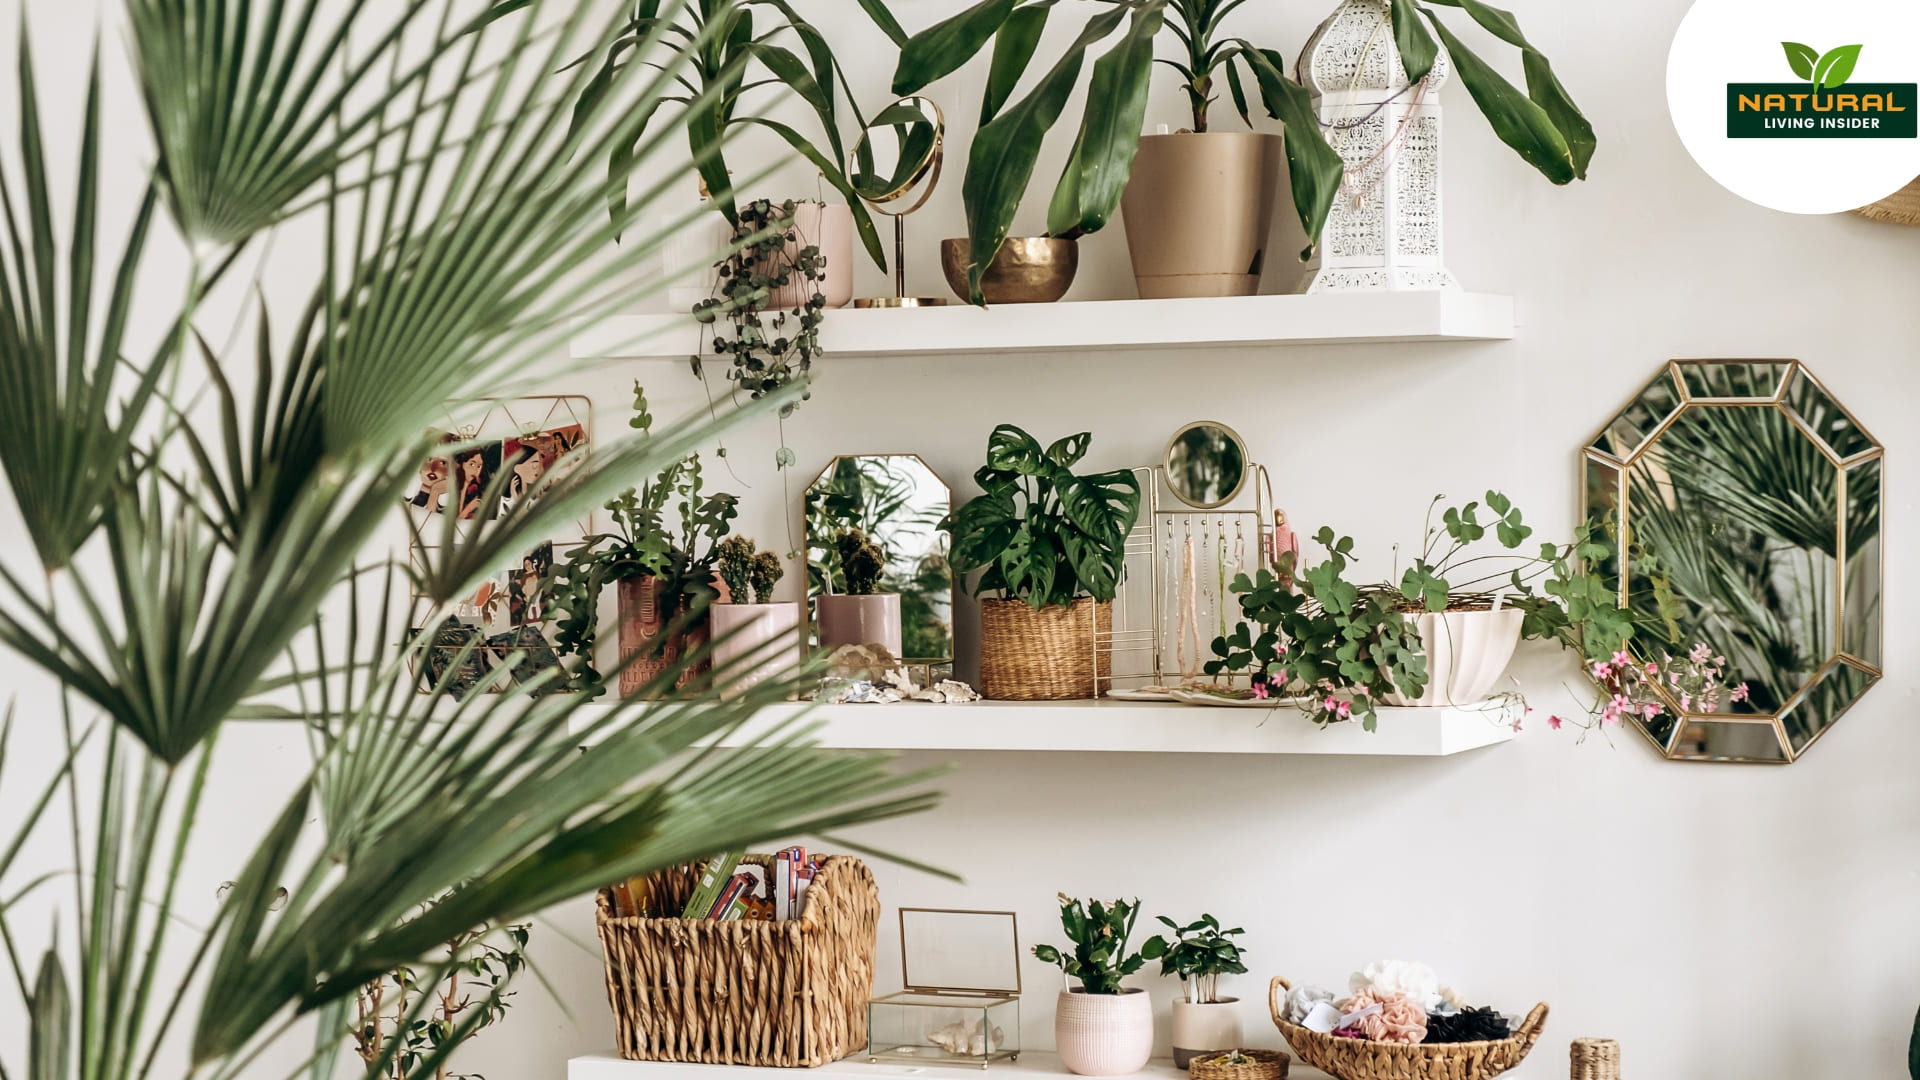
{"x":1199,"y":953}
{"x":1051,"y":548}
{"x":862,"y":615}
{"x":664,"y":578}
{"x":1100,"y":1028}
{"x":755,"y":638}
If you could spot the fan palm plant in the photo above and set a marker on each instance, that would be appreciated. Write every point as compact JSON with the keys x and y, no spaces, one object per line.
{"x":194,"y":574}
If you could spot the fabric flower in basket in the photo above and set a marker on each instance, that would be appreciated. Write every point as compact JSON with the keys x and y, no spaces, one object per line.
{"x":1398,"y":1025}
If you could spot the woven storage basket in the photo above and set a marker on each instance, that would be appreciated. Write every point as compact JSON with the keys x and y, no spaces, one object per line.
{"x":1045,"y":654}
{"x":744,"y":992}
{"x":1594,"y":1059}
{"x":1266,"y":1065}
{"x":1362,"y":1059}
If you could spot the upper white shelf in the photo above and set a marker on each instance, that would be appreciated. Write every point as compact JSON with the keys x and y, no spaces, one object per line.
{"x":1224,"y":322}
{"x":1132,"y":727}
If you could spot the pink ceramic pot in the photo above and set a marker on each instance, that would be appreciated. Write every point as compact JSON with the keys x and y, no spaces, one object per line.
{"x":860,"y":620}
{"x":1103,"y":1034}
{"x":754,"y":643}
{"x":830,"y":227}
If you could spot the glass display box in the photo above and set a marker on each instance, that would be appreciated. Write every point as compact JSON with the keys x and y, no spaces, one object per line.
{"x":960,"y":1002}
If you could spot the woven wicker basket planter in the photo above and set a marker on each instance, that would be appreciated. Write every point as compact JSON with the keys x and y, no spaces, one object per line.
{"x":1045,"y":654}
{"x":1265,"y":1065}
{"x":1361,"y":1059}
{"x":744,"y":993}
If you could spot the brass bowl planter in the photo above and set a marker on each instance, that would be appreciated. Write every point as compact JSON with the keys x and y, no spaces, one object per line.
{"x":1026,"y":269}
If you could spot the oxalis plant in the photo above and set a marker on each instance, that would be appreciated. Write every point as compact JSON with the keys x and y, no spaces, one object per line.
{"x":215,"y":533}
{"x":1199,"y":953}
{"x":1542,"y":125}
{"x":1099,"y":933}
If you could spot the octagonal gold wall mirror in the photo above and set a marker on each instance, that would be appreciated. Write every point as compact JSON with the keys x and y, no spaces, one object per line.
{"x":878,"y":571}
{"x":1741,"y":507}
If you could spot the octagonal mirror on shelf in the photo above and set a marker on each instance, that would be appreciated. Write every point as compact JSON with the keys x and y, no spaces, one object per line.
{"x":1741,"y":504}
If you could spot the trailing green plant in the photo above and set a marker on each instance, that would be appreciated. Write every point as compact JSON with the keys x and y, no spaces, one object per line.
{"x":731,"y":62}
{"x":768,"y":254}
{"x":479,"y":966}
{"x":1099,"y":933}
{"x":226,"y":544}
{"x":1310,"y":632}
{"x":644,"y":544}
{"x":1199,"y":953}
{"x":1039,"y":533}
{"x":1542,"y":125}
{"x":862,"y":560}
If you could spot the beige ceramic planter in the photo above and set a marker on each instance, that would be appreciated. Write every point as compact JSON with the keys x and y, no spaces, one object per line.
{"x":754,"y":642}
{"x":1204,"y":1027}
{"x":1103,"y":1034}
{"x":829,"y":227}
{"x":860,"y":620}
{"x":1198,"y":209}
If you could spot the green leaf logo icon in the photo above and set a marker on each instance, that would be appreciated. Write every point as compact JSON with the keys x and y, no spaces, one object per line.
{"x":1836,"y":67}
{"x":1825,"y":71}
{"x":1801,"y":58}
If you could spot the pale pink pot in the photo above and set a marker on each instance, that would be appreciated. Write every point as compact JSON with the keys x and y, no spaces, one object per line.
{"x":1103,"y":1034}
{"x":860,"y":620}
{"x":829,"y":226}
{"x":770,"y":633}
{"x":1467,"y":652}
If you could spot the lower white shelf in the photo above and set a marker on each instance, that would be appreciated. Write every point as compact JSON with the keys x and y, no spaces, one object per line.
{"x":1033,"y":1065}
{"x":1129,"y":727}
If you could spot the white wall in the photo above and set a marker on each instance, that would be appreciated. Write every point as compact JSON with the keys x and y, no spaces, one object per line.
{"x":1721,"y":921}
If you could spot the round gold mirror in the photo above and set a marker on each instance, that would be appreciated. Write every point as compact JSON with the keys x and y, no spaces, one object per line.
{"x":896,"y":166}
{"x":1206,"y":464}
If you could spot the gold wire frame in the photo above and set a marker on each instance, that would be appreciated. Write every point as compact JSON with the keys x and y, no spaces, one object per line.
{"x":1663,"y":400}
{"x":1142,"y":546}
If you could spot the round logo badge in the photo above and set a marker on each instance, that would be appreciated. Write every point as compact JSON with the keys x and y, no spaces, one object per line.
{"x":1803,"y":107}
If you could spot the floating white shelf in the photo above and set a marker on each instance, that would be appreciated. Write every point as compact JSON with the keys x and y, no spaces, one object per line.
{"x":1131,"y":727}
{"x":1320,"y":319}
{"x":1033,"y":1065}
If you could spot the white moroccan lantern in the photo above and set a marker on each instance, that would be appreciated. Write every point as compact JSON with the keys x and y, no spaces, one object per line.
{"x":1384,"y":231}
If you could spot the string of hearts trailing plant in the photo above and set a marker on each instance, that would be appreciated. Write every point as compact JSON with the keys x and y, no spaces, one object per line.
{"x":768,"y":347}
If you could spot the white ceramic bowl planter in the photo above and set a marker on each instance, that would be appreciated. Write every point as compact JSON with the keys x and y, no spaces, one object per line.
{"x":1467,"y":652}
{"x":1103,"y":1034}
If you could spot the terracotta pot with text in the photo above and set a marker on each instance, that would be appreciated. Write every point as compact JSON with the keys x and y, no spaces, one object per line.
{"x":1197,"y":209}
{"x":646,"y":618}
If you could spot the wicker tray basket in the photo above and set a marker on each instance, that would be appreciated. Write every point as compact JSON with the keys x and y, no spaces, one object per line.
{"x":1360,"y":1059}
{"x":744,"y":993}
{"x":1263,"y":1065}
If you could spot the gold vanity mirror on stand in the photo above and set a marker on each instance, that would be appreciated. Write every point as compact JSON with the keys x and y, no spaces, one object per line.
{"x":1740,"y":506}
{"x":896,"y":166}
{"x":877,"y":565}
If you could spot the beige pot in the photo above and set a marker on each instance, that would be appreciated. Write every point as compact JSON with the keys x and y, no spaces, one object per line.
{"x":754,"y":642}
{"x":1198,"y":209}
{"x":859,"y":620}
{"x":828,"y":226}
{"x":1467,"y":652}
{"x":1103,"y":1034}
{"x":1026,"y":269}
{"x":1204,"y":1028}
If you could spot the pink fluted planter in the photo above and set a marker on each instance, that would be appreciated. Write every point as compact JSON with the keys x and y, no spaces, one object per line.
{"x":830,"y":228}
{"x":1103,"y":1034}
